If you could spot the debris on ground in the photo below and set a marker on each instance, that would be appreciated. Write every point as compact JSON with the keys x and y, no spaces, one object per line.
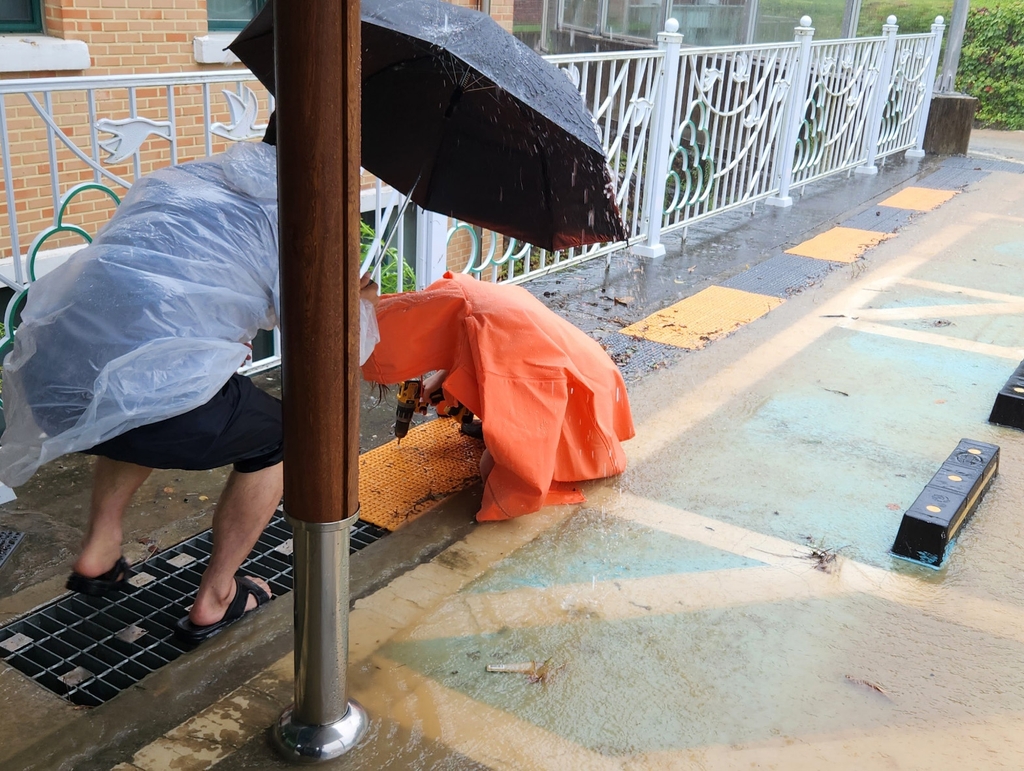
{"x":152,"y":547}
{"x":536,"y":672}
{"x":868,"y":684}
{"x":825,"y":558}
{"x":623,"y":300}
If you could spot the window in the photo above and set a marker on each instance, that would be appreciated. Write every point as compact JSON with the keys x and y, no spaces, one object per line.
{"x":225,"y":14}
{"x":20,"y":16}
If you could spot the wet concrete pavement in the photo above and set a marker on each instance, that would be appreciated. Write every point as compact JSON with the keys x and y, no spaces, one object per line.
{"x":728,"y":602}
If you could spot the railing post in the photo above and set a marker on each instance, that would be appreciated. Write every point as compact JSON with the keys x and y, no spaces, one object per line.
{"x":881,"y":96}
{"x":929,"y":86}
{"x":431,"y":247}
{"x":660,"y":143}
{"x":798,"y":92}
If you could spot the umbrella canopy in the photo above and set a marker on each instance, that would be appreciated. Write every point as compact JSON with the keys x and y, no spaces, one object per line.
{"x":470,"y":122}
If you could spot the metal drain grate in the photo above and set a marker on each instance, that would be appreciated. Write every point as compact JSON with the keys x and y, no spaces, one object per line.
{"x":9,"y":540}
{"x":88,"y":649}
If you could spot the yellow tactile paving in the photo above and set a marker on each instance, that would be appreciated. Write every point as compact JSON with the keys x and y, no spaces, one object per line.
{"x":398,"y":483}
{"x":711,"y":313}
{"x":918,"y":198}
{"x":839,"y":244}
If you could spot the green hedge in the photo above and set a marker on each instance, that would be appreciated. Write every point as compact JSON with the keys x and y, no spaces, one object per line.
{"x":992,"y":63}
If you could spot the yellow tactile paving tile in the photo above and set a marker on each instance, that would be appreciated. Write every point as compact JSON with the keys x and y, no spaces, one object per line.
{"x":918,"y":198}
{"x":711,"y":313}
{"x":397,"y":483}
{"x":839,"y":244}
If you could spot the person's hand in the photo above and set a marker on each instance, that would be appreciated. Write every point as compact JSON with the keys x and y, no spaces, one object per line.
{"x":368,"y":289}
{"x":431,"y":384}
{"x":248,"y":356}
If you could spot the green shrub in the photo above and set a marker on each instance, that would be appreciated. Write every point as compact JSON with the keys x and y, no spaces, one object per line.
{"x":992,"y":63}
{"x":912,"y":16}
{"x":389,"y":265}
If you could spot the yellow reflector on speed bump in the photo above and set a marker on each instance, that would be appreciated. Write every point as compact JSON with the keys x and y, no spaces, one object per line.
{"x":697,"y":320}
{"x":398,"y":483}
{"x":839,"y":244}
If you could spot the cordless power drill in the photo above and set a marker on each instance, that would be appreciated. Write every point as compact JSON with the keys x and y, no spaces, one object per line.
{"x":408,"y":404}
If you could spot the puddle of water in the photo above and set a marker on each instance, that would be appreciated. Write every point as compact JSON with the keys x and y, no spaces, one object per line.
{"x":728,"y":676}
{"x":592,"y":546}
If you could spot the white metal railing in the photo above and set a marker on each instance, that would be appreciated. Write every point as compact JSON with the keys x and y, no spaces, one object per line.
{"x":728,"y":115}
{"x":688,"y":133}
{"x":842,"y":80}
{"x":909,"y":95}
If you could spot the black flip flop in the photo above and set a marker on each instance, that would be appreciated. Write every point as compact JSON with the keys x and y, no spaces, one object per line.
{"x":115,"y":578}
{"x":245,"y":588}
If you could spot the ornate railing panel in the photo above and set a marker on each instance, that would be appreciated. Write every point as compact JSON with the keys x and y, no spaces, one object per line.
{"x":619,"y":89}
{"x":82,"y":141}
{"x":727,"y":118}
{"x":913,"y":66}
{"x":837,"y":107}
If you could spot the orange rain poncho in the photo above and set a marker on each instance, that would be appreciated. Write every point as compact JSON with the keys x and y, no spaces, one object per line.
{"x":553,"y":404}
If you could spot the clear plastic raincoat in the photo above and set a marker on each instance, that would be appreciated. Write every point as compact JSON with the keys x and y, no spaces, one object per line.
{"x":152,"y":318}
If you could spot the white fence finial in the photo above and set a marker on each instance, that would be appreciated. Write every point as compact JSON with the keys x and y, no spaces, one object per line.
{"x":805,"y":21}
{"x":672,"y":25}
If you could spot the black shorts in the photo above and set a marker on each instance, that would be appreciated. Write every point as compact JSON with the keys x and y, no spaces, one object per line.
{"x":240,"y":425}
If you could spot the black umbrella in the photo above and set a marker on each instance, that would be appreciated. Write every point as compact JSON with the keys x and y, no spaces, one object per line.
{"x":473,"y":123}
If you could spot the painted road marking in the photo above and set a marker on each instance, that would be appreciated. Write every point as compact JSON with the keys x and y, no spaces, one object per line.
{"x":682,"y":414}
{"x":839,"y":244}
{"x":964,"y":290}
{"x":711,"y":313}
{"x":919,"y":198}
{"x":933,"y":338}
{"x":921,"y":312}
{"x":938,"y":600}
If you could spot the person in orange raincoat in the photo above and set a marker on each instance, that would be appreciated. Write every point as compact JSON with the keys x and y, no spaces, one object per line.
{"x":553,"y":404}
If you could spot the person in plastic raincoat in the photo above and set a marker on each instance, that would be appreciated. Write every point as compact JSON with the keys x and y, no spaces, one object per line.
{"x":553,"y":404}
{"x":129,"y":351}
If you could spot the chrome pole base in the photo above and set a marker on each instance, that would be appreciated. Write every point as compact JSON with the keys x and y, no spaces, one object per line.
{"x":315,"y":743}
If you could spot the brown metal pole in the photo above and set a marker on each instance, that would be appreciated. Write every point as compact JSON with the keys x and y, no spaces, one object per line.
{"x":318,"y":124}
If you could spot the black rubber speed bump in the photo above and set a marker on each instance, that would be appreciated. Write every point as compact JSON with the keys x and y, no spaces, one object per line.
{"x":1009,"y":407}
{"x":932,"y":522}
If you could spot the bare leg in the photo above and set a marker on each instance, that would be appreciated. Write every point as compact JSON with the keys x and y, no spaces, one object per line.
{"x":486,"y":465}
{"x":245,"y":507}
{"x":113,"y":485}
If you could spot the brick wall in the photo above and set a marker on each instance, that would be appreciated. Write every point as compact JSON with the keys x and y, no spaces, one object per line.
{"x":127,"y":36}
{"x":528,"y":12}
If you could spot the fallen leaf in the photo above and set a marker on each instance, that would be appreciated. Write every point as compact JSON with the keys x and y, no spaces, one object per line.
{"x":623,"y":300}
{"x":940,"y":401}
{"x":204,"y":497}
{"x":691,"y":269}
{"x":168,"y":489}
{"x":892,"y":506}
